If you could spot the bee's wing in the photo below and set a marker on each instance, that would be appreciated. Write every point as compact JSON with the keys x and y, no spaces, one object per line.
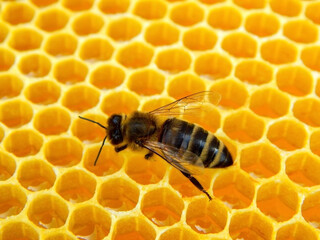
{"x":189,"y":104}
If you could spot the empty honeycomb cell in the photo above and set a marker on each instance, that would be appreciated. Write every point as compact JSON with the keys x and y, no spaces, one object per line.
{"x":315,"y":142}
{"x":239,"y":45}
{"x":295,"y":80}
{"x":52,"y":19}
{"x":7,"y":59}
{"x":234,"y":188}
{"x":303,"y":169}
{"x":233,"y":94}
{"x":16,"y":230}
{"x":278,"y":199}
{"x":186,"y":13}
{"x":301,"y":31}
{"x":161,"y":34}
{"x":96,"y":49}
{"x":312,"y":12}
{"x":1,"y":133}
{"x":288,"y":135}
{"x":15,"y":113}
{"x":52,"y":121}
{"x":109,"y":161}
{"x":173,"y":60}
{"x":207,"y":217}
{"x":310,"y":57}
{"x":213,"y":66}
{"x":124,"y":29}
{"x":59,"y":236}
{"x":25,"y":39}
{"x":76,"y":5}
{"x":278,"y":51}
{"x":11,"y":85}
{"x":119,"y":102}
{"x":87,"y":23}
{"x":43,"y":3}
{"x":48,"y":211}
{"x":260,"y":160}
{"x":89,"y":221}
{"x":244,"y":126}
{"x":310,"y":209}
{"x":162,"y":206}
{"x":114,"y":6}
{"x":199,"y":39}
{"x":224,"y":18}
{"x":43,"y":92}
{"x":63,"y":151}
{"x":36,"y":175}
{"x":118,"y":194}
{"x":251,"y":4}
{"x":23,"y":142}
{"x":130,"y":228}
{"x":289,"y":8}
{"x":146,"y":82}
{"x":150,"y":9}
{"x":317,"y":88}
{"x":135,"y":55}
{"x":4,"y":30}
{"x":269,"y":102}
{"x":211,"y":1}
{"x":7,"y":166}
{"x":308,"y":111}
{"x":76,"y":186}
{"x":262,"y":24}
{"x":297,"y":231}
{"x":107,"y":76}
{"x":178,"y":233}
{"x":70,"y":71}
{"x":250,"y":225}
{"x":12,"y":200}
{"x":61,"y":44}
{"x":35,"y":65}
{"x":17,"y":13}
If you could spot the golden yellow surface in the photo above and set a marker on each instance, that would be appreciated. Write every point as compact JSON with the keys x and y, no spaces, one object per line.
{"x":61,"y":59}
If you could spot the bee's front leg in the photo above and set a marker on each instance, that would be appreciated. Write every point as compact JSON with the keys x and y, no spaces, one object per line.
{"x":119,"y":149}
{"x":148,"y":155}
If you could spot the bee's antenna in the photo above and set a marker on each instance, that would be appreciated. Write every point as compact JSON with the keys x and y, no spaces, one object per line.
{"x":93,"y":122}
{"x":95,"y":162}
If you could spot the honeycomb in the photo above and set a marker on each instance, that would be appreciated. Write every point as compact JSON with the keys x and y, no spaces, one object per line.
{"x":61,"y":59}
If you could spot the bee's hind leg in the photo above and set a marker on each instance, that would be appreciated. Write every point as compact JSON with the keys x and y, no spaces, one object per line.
{"x":148,"y":155}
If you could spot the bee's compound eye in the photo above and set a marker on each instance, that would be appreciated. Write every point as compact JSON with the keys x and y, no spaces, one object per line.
{"x":115,"y":120}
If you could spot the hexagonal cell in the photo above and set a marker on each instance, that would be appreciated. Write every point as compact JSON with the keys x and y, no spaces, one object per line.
{"x":301,"y":31}
{"x":15,"y":113}
{"x":244,"y":126}
{"x":59,"y":235}
{"x":52,"y":19}
{"x":288,"y":8}
{"x":63,"y":151}
{"x":312,"y":12}
{"x":87,"y":23}
{"x":107,"y":77}
{"x":146,"y":82}
{"x":17,"y":13}
{"x":16,"y":230}
{"x":250,"y":225}
{"x":76,"y":5}
{"x":96,"y":50}
{"x":317,"y":88}
{"x":251,"y":4}
{"x":143,"y":171}
{"x":43,"y":3}
{"x":315,"y":142}
{"x":43,"y":92}
{"x":23,"y":142}
{"x":1,"y":134}
{"x":119,"y":102}
{"x":278,"y":51}
{"x":173,"y":60}
{"x":150,"y":9}
{"x":161,"y":34}
{"x":124,"y":29}
{"x":61,"y":44}
{"x":12,"y":200}
{"x":7,"y":59}
{"x":296,"y":230}
{"x":234,"y":188}
{"x":199,"y":39}
{"x":135,"y":55}
{"x":262,"y":24}
{"x":310,"y":57}
{"x":224,"y":18}
{"x":178,"y":233}
{"x":212,"y":66}
{"x":155,"y":103}
{"x":48,"y":211}
{"x":114,"y":6}
{"x":310,"y":209}
{"x":288,"y":135}
{"x":7,"y":166}
{"x":35,"y":65}
{"x":133,"y":228}
{"x":295,"y":80}
{"x":11,"y":85}
{"x":186,"y":14}
{"x":307,"y":110}
{"x":25,"y":39}
{"x":76,"y":186}
{"x":4,"y":30}
{"x":118,"y":194}
{"x":89,"y":221}
{"x":109,"y":161}
{"x":240,"y":45}
{"x":233,"y":94}
{"x":70,"y":71}
{"x":207,"y":217}
{"x":211,"y":1}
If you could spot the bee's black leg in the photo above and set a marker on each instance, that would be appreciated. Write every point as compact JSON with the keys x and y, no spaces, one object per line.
{"x":148,"y":155}
{"x":119,"y":149}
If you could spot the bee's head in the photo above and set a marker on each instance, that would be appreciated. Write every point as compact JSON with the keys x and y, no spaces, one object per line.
{"x":114,"y":129}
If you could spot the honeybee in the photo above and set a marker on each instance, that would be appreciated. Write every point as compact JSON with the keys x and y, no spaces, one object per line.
{"x":182,"y":144}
